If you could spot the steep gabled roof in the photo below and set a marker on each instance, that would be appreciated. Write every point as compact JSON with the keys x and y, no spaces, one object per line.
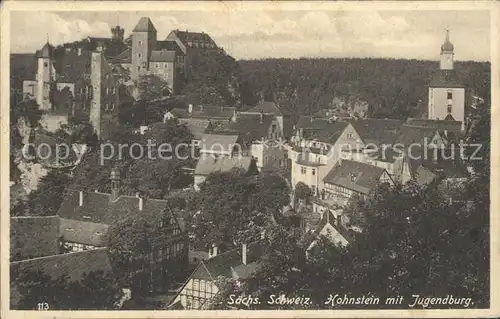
{"x":186,"y":37}
{"x":325,"y":131}
{"x":162,"y":56}
{"x":197,"y":127}
{"x":34,"y":236}
{"x":248,"y":126}
{"x":378,"y":131}
{"x":169,"y":45}
{"x":87,"y":233}
{"x":144,"y":25}
{"x":210,"y":164}
{"x":356,"y":176}
{"x":219,"y":142}
{"x":328,"y":218}
{"x":266,"y":107}
{"x":228,"y":262}
{"x":75,"y":264}
{"x":98,"y":207}
{"x":415,"y":134}
{"x":212,"y":112}
{"x":439,"y":125}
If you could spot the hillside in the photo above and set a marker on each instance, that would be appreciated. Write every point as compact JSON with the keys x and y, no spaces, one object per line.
{"x":392,"y":88}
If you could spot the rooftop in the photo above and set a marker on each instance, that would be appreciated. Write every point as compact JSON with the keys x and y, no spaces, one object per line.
{"x":144,"y":25}
{"x":210,"y":164}
{"x":356,"y":176}
{"x":98,"y":207}
{"x":34,"y":236}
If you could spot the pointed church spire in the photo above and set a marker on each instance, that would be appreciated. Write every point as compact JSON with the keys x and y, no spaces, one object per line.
{"x":447,"y":45}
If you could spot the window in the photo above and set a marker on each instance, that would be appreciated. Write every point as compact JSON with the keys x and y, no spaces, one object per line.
{"x":450,"y":95}
{"x":314,"y":171}
{"x":106,"y":106}
{"x":138,"y":68}
{"x":160,"y":223}
{"x":107,"y":91}
{"x":114,"y":90}
{"x":45,"y":64}
{"x":140,"y":43}
{"x":303,"y":170}
{"x":157,"y":65}
{"x":349,"y":135}
{"x":449,"y":109}
{"x":139,"y":55}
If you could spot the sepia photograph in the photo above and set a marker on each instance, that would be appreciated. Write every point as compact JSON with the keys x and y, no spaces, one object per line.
{"x":234,"y":156}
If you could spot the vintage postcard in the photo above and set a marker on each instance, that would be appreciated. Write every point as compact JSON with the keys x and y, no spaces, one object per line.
{"x":250,"y":159}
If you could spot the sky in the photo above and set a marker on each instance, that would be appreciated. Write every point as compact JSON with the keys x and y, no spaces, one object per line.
{"x":259,"y":34}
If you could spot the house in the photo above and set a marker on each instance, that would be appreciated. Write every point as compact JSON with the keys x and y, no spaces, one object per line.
{"x":85,"y":217}
{"x":260,"y":133}
{"x":317,"y":147}
{"x":73,"y":265}
{"x":212,"y":164}
{"x":78,"y":235}
{"x":348,"y":179}
{"x":448,"y":169}
{"x":33,"y":236}
{"x":331,"y":228}
{"x":77,"y":82}
{"x":201,"y":287}
{"x":192,"y":44}
{"x":271,"y":108}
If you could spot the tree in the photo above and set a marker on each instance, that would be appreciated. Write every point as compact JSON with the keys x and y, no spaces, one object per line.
{"x":151,"y":87}
{"x":46,"y":199}
{"x":240,"y":206}
{"x":95,"y":291}
{"x":212,"y":80}
{"x":302,"y":191}
{"x":133,"y":241}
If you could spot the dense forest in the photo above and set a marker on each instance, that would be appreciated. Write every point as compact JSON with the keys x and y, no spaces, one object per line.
{"x":392,"y":88}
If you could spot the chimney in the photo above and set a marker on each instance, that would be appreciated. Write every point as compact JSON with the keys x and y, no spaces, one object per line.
{"x":222,"y":108}
{"x":215,"y":251}
{"x":190,"y":108}
{"x":233,"y":118}
{"x":261,"y":118}
{"x":81,"y":199}
{"x":79,"y":51}
{"x":311,"y":119}
{"x":141,"y":203}
{"x":244,"y":254}
{"x":115,"y":184}
{"x":201,"y":108}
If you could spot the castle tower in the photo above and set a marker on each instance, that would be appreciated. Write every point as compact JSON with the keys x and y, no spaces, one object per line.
{"x":446,"y":93}
{"x":96,"y":80}
{"x":117,"y":33}
{"x":45,"y":76}
{"x":143,"y":41}
{"x":447,"y":53}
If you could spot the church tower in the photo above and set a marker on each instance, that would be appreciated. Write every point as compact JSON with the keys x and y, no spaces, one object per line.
{"x":143,"y":42}
{"x":447,"y":53}
{"x":446,"y":93}
{"x":44,"y":77}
